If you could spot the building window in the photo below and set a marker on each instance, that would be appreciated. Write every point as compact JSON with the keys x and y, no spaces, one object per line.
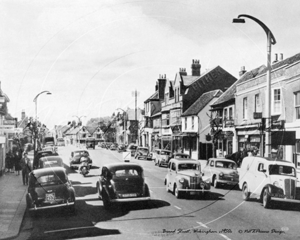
{"x":185,"y":123}
{"x":192,"y":122}
{"x":257,"y":106}
{"x":297,"y":105}
{"x":245,"y":107}
{"x":276,"y":101}
{"x":230,"y":117}
{"x":225,"y":113}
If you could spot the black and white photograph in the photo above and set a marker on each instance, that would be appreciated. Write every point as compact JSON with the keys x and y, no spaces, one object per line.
{"x":149,"y":119}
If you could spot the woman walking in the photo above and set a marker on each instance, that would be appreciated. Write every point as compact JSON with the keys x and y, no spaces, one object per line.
{"x":9,"y":161}
{"x":17,"y":161}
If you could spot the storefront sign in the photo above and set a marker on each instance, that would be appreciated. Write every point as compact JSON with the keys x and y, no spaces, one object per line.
{"x":9,"y":122}
{"x":257,"y":115}
{"x":229,"y":123}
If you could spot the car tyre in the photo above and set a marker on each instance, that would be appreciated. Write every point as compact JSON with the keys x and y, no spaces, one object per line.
{"x":177,"y":193}
{"x":167,"y":187}
{"x":159,"y":163}
{"x":106,"y":202}
{"x":215,"y":182}
{"x":267,"y":202}
{"x":98,"y":190}
{"x":245,"y":190}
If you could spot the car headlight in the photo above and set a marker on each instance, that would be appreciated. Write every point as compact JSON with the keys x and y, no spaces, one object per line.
{"x":221,"y":174}
{"x":276,"y":184}
{"x":181,"y":180}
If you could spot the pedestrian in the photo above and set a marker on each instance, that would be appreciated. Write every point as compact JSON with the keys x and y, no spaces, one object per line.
{"x":17,"y":162}
{"x":26,"y":169}
{"x":9,"y":161}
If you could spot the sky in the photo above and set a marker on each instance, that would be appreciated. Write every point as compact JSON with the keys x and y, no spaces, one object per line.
{"x":92,"y":55}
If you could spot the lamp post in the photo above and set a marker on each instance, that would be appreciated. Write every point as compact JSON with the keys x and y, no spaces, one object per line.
{"x":35,"y":100}
{"x":79,"y":118}
{"x":124,"y":123}
{"x":270,"y":41}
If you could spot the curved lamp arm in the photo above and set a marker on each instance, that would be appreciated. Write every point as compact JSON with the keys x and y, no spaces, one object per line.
{"x":40,"y":94}
{"x":266,"y":29}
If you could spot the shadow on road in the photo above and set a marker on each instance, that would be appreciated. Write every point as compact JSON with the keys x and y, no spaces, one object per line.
{"x":208,"y":197}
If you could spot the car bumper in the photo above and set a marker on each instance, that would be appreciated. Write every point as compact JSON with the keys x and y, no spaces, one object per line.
{"x":35,"y":208}
{"x":228,"y":182}
{"x":131,"y":199}
{"x":285,"y":200}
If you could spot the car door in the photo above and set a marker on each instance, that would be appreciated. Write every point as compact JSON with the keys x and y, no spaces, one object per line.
{"x":260,"y":178}
{"x":210,"y":169}
{"x":172,"y":174}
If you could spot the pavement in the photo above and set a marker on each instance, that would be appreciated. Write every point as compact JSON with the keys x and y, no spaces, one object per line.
{"x":12,"y":204}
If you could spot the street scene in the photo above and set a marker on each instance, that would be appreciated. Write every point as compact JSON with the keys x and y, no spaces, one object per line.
{"x":149,"y":120}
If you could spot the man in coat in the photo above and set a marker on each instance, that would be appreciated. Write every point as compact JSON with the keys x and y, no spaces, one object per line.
{"x":26,"y":169}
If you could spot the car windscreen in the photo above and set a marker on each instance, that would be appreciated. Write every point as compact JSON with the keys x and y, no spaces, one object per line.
{"x":187,"y":166}
{"x":225,"y":164}
{"x":182,"y":156}
{"x":53,"y":178}
{"x":282,"y":170}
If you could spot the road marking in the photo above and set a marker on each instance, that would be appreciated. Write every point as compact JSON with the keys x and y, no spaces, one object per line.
{"x":227,"y":238}
{"x":177,"y":207}
{"x":202,"y":224}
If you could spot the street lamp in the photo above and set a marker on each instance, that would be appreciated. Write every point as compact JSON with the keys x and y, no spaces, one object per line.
{"x":270,"y":41}
{"x":124,"y":123}
{"x":79,"y":118}
{"x":35,"y":100}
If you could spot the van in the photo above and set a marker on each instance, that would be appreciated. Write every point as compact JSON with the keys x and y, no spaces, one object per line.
{"x":268,"y":180}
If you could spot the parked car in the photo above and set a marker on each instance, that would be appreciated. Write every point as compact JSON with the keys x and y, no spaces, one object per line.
{"x":43,"y":153}
{"x":181,"y":156}
{"x":122,"y":182}
{"x":90,"y":143}
{"x":50,"y":161}
{"x":221,"y":171}
{"x":60,"y":142}
{"x":113,"y":147}
{"x":131,"y":148}
{"x":50,"y":188}
{"x":142,"y":152}
{"x":163,"y":157}
{"x":75,"y":158}
{"x":268,"y":180}
{"x":122,"y":148}
{"x":185,"y":177}
{"x":155,"y":152}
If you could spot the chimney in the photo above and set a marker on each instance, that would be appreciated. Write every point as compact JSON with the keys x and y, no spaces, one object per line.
{"x":182,"y":72}
{"x":161,"y":86}
{"x":242,"y":71}
{"x":281,"y":56}
{"x":156,"y":86}
{"x":23,"y":114}
{"x":196,"y":67}
{"x":276,"y":58}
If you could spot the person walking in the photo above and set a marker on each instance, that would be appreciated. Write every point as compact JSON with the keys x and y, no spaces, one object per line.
{"x":17,"y":160}
{"x":9,"y":161}
{"x":26,"y":169}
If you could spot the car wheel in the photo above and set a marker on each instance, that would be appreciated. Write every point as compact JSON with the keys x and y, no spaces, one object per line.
{"x":245,"y":191}
{"x":215,"y":182}
{"x":72,"y":208}
{"x":147,"y":192}
{"x":177,"y":193}
{"x":106,"y":203}
{"x":167,"y":187}
{"x":266,"y":198}
{"x":98,"y":190}
{"x":159,"y":163}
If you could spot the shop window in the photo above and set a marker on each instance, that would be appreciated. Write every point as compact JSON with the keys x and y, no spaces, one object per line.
{"x":276,"y":104}
{"x":297,"y":105}
{"x":245,"y":108}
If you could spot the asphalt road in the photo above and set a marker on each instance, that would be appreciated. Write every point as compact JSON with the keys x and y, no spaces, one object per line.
{"x":223,"y":215}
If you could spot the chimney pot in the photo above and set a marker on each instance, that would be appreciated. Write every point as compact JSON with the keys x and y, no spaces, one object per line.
{"x":242,"y":71}
{"x":281,"y":56}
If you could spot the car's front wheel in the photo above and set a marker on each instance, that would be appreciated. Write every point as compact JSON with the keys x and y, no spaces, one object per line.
{"x":98,"y":190}
{"x":167,"y":187}
{"x":106,"y":202}
{"x":177,"y":193}
{"x":215,"y":182}
{"x":245,"y":191}
{"x":266,"y":198}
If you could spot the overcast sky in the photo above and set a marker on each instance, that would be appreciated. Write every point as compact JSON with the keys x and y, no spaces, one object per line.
{"x":92,"y":54}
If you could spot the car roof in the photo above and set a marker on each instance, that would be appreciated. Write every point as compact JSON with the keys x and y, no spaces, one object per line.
{"x":165,"y":150}
{"x":121,"y":164}
{"x":269,"y":160}
{"x":76,"y":151}
{"x":222,"y":159}
{"x":42,"y":171}
{"x":47,"y":158}
{"x":184,"y":160}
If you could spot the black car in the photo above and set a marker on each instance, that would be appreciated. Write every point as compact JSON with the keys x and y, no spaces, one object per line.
{"x":122,"y":182}
{"x":50,"y":188}
{"x":76,"y":156}
{"x":142,"y":153}
{"x":122,"y":148}
{"x":131,"y":148}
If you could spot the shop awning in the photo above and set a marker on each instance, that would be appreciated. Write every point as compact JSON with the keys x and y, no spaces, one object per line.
{"x":283,"y":138}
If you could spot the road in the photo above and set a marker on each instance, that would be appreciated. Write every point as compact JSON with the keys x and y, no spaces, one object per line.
{"x":223,"y":215}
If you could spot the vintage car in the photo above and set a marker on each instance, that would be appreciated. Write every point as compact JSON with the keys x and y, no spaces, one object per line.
{"x":50,"y":161}
{"x":76,"y":156}
{"x":90,"y":143}
{"x":60,"y":142}
{"x":122,"y":148}
{"x":131,"y":148}
{"x":185,"y":177}
{"x":163,"y":157}
{"x":122,"y":182}
{"x":154,"y":154}
{"x":221,"y":171}
{"x":113,"y":147}
{"x":50,"y":188}
{"x":181,"y":156}
{"x":142,"y":153}
{"x":43,"y":153}
{"x":268,"y":180}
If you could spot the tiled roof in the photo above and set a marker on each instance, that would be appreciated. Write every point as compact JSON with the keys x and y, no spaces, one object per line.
{"x":153,"y":96}
{"x":188,"y":80}
{"x":201,"y":102}
{"x":91,"y":129}
{"x":230,"y":92}
{"x":73,"y":131}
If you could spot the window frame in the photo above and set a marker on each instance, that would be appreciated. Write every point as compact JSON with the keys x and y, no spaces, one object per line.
{"x":297,"y":106}
{"x":273,"y":101}
{"x":245,"y":108}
